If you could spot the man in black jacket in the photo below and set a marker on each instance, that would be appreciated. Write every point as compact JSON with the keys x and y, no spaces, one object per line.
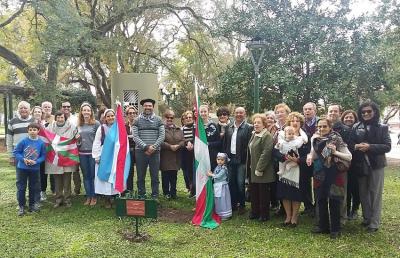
{"x":334,"y":114}
{"x":235,"y":142}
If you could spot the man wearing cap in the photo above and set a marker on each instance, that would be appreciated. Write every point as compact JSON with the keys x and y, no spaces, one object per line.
{"x":148,"y":134}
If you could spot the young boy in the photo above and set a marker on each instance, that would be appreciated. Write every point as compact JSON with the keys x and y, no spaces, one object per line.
{"x":29,"y":153}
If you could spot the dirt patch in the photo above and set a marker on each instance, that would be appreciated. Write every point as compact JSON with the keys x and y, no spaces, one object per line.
{"x":132,"y":237}
{"x":2,"y":146}
{"x":174,"y":215}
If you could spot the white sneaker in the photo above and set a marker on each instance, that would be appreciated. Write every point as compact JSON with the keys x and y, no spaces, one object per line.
{"x":43,"y":196}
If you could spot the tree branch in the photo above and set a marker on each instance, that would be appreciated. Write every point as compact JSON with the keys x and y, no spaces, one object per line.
{"x":28,"y":72}
{"x":15,"y":15}
{"x":136,"y":11}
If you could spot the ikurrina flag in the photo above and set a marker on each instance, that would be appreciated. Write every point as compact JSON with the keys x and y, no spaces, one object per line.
{"x":204,"y":215}
{"x":60,"y":151}
{"x":115,"y":159}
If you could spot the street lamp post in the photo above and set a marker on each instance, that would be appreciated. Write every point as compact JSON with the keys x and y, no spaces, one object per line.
{"x":167,"y":96}
{"x":257,"y":50}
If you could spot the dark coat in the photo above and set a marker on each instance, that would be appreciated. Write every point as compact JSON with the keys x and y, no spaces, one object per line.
{"x":377,"y":136}
{"x":242,"y":141}
{"x":169,"y":159}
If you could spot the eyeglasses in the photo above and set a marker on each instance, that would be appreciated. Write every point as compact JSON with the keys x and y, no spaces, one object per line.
{"x":188,"y":117}
{"x":224,"y":114}
{"x":322,"y":126}
{"x":367,"y":111}
{"x":66,"y":106}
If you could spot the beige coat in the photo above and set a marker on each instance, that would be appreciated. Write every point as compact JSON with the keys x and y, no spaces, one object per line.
{"x":68,"y":130}
{"x":260,"y":157}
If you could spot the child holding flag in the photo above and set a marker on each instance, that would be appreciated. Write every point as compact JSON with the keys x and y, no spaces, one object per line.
{"x":222,"y":196}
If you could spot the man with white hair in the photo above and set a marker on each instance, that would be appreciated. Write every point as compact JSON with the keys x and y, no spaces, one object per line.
{"x":17,"y":128}
{"x":47,"y":108}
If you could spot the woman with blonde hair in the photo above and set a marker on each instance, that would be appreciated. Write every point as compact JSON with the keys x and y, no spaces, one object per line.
{"x":87,"y":127}
{"x":288,"y":187}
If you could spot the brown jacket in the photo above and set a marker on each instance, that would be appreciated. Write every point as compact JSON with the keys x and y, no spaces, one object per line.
{"x":169,"y":159}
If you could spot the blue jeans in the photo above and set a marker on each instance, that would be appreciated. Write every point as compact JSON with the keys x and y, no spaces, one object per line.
{"x":23,"y":177}
{"x":142,"y":162}
{"x":237,"y":177}
{"x":87,"y":165}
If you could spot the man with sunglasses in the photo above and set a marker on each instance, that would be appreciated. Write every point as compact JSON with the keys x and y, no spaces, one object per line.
{"x":66,"y":110}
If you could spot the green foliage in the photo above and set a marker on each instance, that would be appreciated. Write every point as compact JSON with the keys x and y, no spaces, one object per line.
{"x":312,"y":53}
{"x":77,"y":96}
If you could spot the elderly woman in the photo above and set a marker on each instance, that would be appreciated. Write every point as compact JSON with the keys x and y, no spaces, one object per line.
{"x":260,"y":168}
{"x":349,"y":118}
{"x":271,"y":126}
{"x":103,"y":187}
{"x":370,"y":141}
{"x":87,"y":127}
{"x":281,"y":112}
{"x":187,"y":151}
{"x":289,"y":188}
{"x":170,"y":155}
{"x":131,"y":114}
{"x":329,"y":154}
{"x":62,"y":175}
{"x":213,"y":137}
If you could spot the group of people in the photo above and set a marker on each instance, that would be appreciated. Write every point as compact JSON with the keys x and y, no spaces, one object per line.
{"x":331,"y":164}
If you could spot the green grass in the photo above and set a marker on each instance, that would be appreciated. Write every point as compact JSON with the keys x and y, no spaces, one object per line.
{"x":95,"y":232}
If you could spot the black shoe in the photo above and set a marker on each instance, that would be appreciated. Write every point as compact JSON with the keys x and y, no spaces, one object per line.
{"x":286,"y":224}
{"x":253,"y":216}
{"x":262,"y":219}
{"x":293,"y":225}
{"x":34,"y":208}
{"x":371,"y":230}
{"x":318,"y":230}
{"x":365,"y":223}
{"x":334,"y":235}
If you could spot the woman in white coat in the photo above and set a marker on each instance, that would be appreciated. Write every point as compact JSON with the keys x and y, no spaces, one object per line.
{"x":103,"y":187}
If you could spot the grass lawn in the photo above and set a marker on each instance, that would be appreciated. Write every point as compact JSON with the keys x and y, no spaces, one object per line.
{"x":82,"y":231}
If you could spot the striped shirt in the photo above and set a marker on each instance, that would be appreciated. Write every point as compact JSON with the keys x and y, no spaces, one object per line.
{"x":17,"y":130}
{"x":188,"y":133}
{"x":148,"y":132}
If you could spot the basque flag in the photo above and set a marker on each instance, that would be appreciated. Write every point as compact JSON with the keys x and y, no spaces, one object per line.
{"x":115,"y":159}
